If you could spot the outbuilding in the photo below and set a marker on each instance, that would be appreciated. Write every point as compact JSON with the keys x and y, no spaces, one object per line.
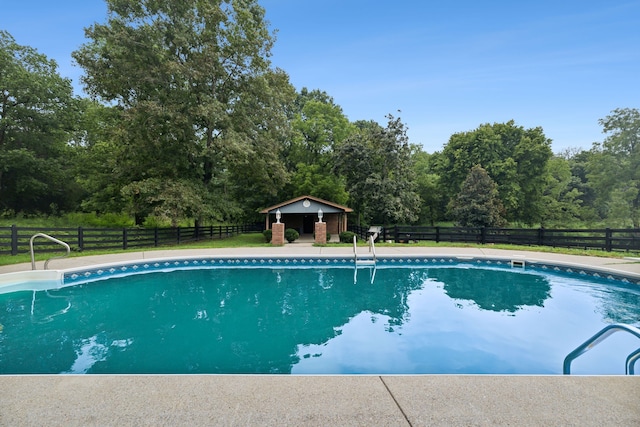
{"x":303,"y":212}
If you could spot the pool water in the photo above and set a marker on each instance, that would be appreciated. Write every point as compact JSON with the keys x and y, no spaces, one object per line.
{"x":418,"y":320}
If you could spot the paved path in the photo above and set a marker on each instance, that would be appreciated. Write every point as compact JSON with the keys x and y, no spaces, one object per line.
{"x":231,"y":400}
{"x":623,"y":265}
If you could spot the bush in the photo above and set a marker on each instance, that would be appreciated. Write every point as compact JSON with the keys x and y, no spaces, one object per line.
{"x":267,"y":235}
{"x":347,"y":236}
{"x":290,"y":234}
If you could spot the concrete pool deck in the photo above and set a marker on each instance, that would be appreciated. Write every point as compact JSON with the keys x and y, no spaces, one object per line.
{"x":416,"y":400}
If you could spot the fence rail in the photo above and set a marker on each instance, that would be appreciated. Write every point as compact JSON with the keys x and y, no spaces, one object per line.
{"x":607,"y":239}
{"x":15,"y":240}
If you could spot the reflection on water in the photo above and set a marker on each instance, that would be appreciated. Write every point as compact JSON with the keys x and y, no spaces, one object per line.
{"x":496,"y":290}
{"x":307,"y":321}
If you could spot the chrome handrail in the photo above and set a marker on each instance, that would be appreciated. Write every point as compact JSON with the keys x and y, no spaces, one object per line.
{"x":598,"y":338}
{"x":53,"y":239}
{"x":372,"y":248}
{"x":631,"y":361}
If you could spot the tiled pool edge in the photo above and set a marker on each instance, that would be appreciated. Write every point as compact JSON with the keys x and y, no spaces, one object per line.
{"x":82,"y":275}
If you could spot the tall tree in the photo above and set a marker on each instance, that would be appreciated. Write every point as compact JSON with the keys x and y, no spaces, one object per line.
{"x":561,"y":197}
{"x":477,"y":204}
{"x":516,"y":159}
{"x":614,"y":167}
{"x":38,"y":118}
{"x":199,"y":101}
{"x":377,"y":165}
{"x":428,"y":187}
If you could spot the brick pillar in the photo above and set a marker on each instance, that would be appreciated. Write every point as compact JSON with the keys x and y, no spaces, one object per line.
{"x":321,"y":233}
{"x":277,"y":234}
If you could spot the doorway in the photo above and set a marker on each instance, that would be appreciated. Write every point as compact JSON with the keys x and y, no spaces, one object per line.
{"x":308,"y":223}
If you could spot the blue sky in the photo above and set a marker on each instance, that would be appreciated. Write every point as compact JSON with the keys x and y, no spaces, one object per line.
{"x":447,"y":66}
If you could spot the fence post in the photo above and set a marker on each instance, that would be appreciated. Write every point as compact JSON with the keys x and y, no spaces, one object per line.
{"x":124,"y":238}
{"x":80,"y":238}
{"x":437,"y":234}
{"x":178,"y":235}
{"x":541,"y":236}
{"x":608,"y":243}
{"x":155,"y":237}
{"x":14,"y":239}
{"x":483,"y":235}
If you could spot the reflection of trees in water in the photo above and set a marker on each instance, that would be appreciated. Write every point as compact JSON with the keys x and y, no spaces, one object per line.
{"x":226,"y":320}
{"x":494,"y":290}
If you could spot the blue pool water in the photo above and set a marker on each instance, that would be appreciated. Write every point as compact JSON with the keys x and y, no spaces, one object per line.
{"x":401,"y":318}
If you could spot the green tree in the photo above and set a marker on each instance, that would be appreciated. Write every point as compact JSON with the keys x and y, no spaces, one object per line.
{"x":477,"y":204}
{"x":198,"y":102}
{"x":515,"y":158}
{"x":614,"y":167}
{"x":38,"y":118}
{"x":586,"y":197}
{"x":377,"y":165}
{"x":313,"y":180}
{"x":428,"y":188}
{"x":561,"y":198}
{"x":318,"y":126}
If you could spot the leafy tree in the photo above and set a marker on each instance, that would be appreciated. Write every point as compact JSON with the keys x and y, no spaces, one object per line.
{"x":614,"y":167}
{"x":586,"y":197}
{"x":428,"y":188}
{"x":319,"y":127}
{"x":561,"y":197}
{"x":38,"y":117}
{"x":377,"y":165}
{"x":198,"y":101}
{"x":315,"y":181}
{"x":516,"y":158}
{"x":477,"y":204}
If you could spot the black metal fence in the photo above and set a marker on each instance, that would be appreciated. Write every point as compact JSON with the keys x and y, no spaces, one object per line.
{"x":607,"y":239}
{"x":15,"y":240}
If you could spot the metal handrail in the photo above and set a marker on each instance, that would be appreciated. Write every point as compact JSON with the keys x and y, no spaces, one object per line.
{"x":598,"y":338}
{"x":53,"y":239}
{"x":355,"y":251}
{"x":631,"y":361}
{"x":372,"y":248}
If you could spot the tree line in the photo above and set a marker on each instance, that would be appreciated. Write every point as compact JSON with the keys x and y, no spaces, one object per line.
{"x":186,"y":119}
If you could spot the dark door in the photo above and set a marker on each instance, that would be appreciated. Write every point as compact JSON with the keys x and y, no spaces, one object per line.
{"x":307,"y":224}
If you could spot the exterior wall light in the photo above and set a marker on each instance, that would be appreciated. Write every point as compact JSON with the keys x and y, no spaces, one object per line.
{"x":320,"y":215}
{"x":278,"y":216}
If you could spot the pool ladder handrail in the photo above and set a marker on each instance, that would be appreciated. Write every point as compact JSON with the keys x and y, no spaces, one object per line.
{"x":597,"y":339}
{"x":54,"y":240}
{"x":372,"y":249}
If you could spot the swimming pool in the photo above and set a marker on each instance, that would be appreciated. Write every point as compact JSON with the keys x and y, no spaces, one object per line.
{"x":411,"y":315}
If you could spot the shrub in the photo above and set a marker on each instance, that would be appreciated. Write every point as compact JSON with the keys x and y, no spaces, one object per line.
{"x":290,"y":234}
{"x":267,"y":235}
{"x":347,"y":236}
{"x":328,"y":237}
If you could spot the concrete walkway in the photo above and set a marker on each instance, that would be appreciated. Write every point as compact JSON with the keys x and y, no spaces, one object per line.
{"x":230,"y":400}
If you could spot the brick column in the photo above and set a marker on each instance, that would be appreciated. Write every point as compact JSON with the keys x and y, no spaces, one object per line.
{"x":277,"y":234}
{"x":321,"y":233}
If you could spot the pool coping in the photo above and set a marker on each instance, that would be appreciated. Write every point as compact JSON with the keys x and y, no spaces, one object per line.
{"x":84,"y":274}
{"x":321,"y":400}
